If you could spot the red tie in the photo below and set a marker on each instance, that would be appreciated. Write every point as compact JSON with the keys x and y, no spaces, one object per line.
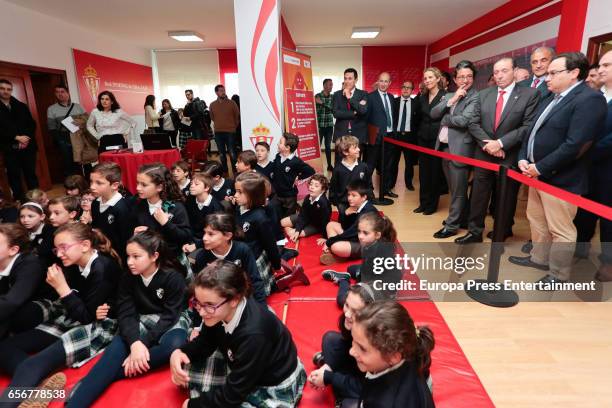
{"x":536,"y":82}
{"x":499,"y":107}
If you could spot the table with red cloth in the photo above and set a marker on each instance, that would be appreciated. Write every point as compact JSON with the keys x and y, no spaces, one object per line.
{"x":131,"y":162}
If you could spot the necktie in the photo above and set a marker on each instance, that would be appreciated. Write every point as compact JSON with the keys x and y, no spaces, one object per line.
{"x":387,"y":111}
{"x":348,"y":105}
{"x":537,"y":126}
{"x":499,"y":107}
{"x":404,"y":116}
{"x":536,"y":82}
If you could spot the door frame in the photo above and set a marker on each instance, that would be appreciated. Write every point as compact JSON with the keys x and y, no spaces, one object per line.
{"x":593,"y":47}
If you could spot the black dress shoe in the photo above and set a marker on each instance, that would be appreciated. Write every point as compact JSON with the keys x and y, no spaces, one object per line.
{"x":506,"y":235}
{"x":410,"y":187}
{"x":444,"y":233}
{"x":527,"y":247}
{"x":468,"y":238}
{"x":428,"y":212}
{"x":288,"y":253}
{"x":419,"y":209}
{"x":549,"y":279}
{"x":391,"y":194}
{"x":526,"y":261}
{"x":318,"y":360}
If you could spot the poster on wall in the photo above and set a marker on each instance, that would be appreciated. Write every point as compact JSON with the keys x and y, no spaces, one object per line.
{"x":300,"y":110}
{"x":259,"y":79}
{"x":129,"y":82}
{"x":521,"y":57}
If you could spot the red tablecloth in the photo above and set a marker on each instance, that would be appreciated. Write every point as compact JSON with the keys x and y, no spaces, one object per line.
{"x":130,"y":162}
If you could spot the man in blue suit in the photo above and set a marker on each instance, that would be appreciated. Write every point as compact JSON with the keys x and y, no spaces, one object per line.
{"x":556,"y":152}
{"x":601,"y":180}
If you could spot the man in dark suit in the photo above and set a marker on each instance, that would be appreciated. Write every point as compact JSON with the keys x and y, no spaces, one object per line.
{"x":457,"y":111}
{"x":350,"y":108}
{"x":556,"y":152}
{"x":505,"y":113}
{"x":540,"y":60}
{"x":380,"y":116}
{"x":405,"y":116}
{"x":17,"y":141}
{"x":600,"y":179}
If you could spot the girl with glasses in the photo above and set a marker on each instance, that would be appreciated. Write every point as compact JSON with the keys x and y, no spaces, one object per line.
{"x":87,"y":280}
{"x":249,"y":354}
{"x":149,"y":317}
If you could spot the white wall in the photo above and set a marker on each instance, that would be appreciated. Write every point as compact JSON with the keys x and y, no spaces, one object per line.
{"x":598,"y":20}
{"x":35,"y":39}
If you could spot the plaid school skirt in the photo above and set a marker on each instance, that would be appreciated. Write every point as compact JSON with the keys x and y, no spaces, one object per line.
{"x":214,"y":371}
{"x":265,"y":273}
{"x":183,"y":137}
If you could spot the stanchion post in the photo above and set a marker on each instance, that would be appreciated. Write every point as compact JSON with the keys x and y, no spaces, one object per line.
{"x":502,"y":297}
{"x":382,"y":200}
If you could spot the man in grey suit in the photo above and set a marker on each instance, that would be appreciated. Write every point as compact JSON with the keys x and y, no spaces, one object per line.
{"x":505,"y":114}
{"x":457,"y":111}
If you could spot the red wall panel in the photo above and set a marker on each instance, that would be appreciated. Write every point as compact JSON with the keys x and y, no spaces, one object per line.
{"x":228,"y":63}
{"x":402,"y":62}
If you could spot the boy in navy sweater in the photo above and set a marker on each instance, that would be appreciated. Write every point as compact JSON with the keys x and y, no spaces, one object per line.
{"x":287,"y":167}
{"x":315,"y":213}
{"x":347,"y":170}
{"x":223,"y":189}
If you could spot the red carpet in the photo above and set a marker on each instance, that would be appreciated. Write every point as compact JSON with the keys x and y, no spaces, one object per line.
{"x":311,"y":312}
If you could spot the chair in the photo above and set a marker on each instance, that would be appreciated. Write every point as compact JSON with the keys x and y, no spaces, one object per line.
{"x":195,"y":154}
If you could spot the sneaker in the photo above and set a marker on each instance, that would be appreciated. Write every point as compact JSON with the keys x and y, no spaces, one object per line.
{"x":334,"y":276}
{"x":55,"y":382}
{"x":318,"y":359}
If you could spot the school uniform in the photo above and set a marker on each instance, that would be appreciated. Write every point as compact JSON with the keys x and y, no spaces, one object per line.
{"x":241,"y":255}
{"x":257,"y":228}
{"x":350,"y":223}
{"x":148,"y":310}
{"x":20,"y":281}
{"x":113,"y":219}
{"x":260,"y":355}
{"x":313,"y":217}
{"x":42,"y":243}
{"x":197,"y":212}
{"x":267,"y":170}
{"x":224,"y":189}
{"x":345,"y":377}
{"x":176,"y":232}
{"x":185,"y":188}
{"x":285,"y":171}
{"x":342,"y":176}
{"x":397,"y":387}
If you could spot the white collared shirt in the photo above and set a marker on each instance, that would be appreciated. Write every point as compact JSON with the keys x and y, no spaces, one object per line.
{"x":110,"y":203}
{"x":508,"y":91}
{"x":7,"y":271}
{"x":316,"y":199}
{"x":568,"y":90}
{"x":225,"y":254}
{"x":147,"y":281}
{"x":361,"y":206}
{"x":85,"y":271}
{"x":607,"y":93}
{"x":232,"y":324}
{"x":154,"y":207}
{"x":206,"y":202}
{"x":185,"y":184}
{"x":541,"y":79}
{"x":218,"y":186}
{"x":350,"y":166}
{"x":243,"y":209}
{"x":385,"y":95}
{"x":291,"y":156}
{"x":264,"y":165}
{"x":38,"y":231}
{"x":371,"y":376}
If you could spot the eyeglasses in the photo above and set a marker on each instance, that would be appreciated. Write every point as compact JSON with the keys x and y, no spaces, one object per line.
{"x":87,"y":200}
{"x":208,"y":308}
{"x":64,"y":248}
{"x":407,"y":87}
{"x":555,"y":73}
{"x":463,"y":78}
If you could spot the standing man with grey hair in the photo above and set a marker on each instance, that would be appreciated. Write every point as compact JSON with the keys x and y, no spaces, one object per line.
{"x":540,"y":60}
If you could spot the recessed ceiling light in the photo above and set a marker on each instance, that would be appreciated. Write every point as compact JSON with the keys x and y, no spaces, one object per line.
{"x":186,"y":36}
{"x":365,"y":32}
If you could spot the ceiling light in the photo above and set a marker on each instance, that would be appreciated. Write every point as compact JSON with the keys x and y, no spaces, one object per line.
{"x":365,"y":32}
{"x":186,"y":36}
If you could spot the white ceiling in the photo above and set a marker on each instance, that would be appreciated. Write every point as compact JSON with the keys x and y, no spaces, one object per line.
{"x":311,"y":22}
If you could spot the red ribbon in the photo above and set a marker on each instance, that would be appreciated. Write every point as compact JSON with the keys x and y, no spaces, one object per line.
{"x":575,"y":199}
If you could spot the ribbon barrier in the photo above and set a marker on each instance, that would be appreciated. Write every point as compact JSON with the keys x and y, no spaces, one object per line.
{"x":503,"y":297}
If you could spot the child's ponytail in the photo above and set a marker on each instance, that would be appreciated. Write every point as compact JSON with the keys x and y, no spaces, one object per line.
{"x":84,"y":232}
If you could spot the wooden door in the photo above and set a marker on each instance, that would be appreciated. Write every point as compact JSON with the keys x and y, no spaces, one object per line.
{"x":22,"y":90}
